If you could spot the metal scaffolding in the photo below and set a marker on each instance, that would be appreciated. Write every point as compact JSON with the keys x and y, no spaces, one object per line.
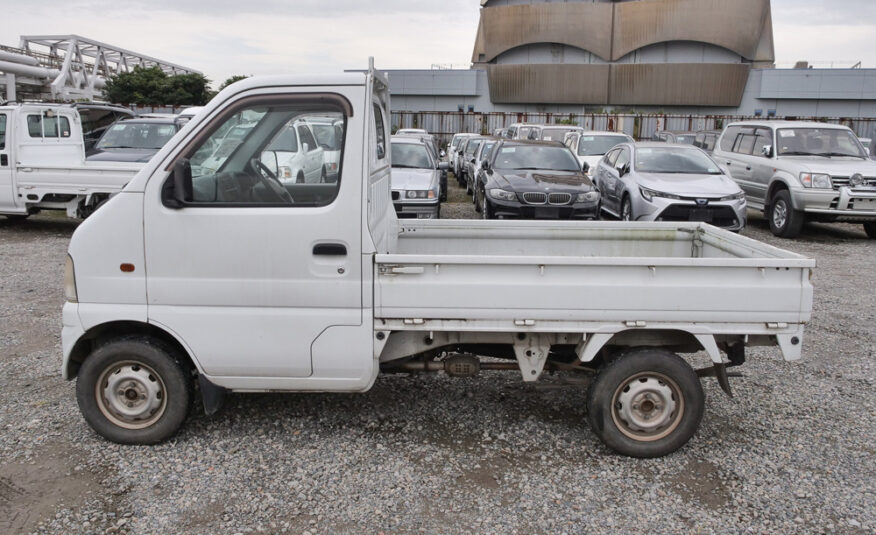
{"x":70,"y":67}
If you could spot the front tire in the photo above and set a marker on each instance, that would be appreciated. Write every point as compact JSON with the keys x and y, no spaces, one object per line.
{"x":785,"y":222}
{"x":486,"y":210}
{"x":647,"y":403}
{"x":627,"y":209}
{"x":134,"y":391}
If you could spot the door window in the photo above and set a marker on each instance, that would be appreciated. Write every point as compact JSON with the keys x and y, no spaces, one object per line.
{"x":381,"y":133}
{"x":729,"y":138}
{"x":744,"y":143}
{"x":623,"y":158}
{"x":251,"y":158}
{"x":764,"y":137}
{"x":306,"y":137}
{"x":611,"y":157}
{"x":2,"y":132}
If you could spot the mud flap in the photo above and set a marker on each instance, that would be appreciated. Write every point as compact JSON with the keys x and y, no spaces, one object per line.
{"x":212,"y":395}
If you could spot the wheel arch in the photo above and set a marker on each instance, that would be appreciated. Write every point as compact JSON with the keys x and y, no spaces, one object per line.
{"x":777,"y":183}
{"x":676,"y":340}
{"x":100,"y":334}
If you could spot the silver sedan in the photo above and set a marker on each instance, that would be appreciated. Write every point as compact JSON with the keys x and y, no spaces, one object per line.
{"x":660,"y":182}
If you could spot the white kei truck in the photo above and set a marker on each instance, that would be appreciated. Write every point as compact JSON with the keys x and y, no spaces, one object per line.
{"x":43,"y":167}
{"x":188,"y":284}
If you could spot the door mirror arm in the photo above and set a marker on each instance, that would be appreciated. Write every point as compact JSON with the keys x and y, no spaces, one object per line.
{"x":181,"y":192}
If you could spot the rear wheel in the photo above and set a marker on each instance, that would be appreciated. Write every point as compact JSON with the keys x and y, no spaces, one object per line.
{"x":785,"y":222}
{"x":134,"y":391}
{"x":870,"y":229}
{"x":647,"y":403}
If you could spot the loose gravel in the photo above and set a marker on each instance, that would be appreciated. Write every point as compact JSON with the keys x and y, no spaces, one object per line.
{"x":791,"y":453}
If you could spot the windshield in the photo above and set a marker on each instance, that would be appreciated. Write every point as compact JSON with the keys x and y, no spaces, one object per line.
{"x":818,"y":142}
{"x":555,"y":134}
{"x":328,"y":136}
{"x":675,"y":160}
{"x":598,"y":145}
{"x":130,"y":135}
{"x":536,"y":157}
{"x":411,"y":155}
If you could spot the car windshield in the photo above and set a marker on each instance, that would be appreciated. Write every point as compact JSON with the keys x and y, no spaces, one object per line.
{"x":133,"y":135}
{"x":411,"y":155}
{"x":536,"y":157}
{"x":598,"y":145}
{"x":674,"y":160}
{"x":818,"y":142}
{"x":555,"y":134}
{"x":327,"y":135}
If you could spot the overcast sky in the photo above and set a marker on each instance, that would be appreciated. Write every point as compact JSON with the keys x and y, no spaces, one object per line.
{"x":222,"y":38}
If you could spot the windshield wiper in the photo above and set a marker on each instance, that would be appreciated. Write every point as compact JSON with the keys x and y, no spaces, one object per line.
{"x":117,"y":147}
{"x":402,"y":166}
{"x":828,"y":154}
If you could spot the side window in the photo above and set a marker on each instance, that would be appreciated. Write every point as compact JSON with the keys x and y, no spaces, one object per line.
{"x":763,"y":138}
{"x":623,"y":158}
{"x":729,"y":138}
{"x":2,"y":131}
{"x":306,"y":137}
{"x":611,"y":157}
{"x":381,"y":133}
{"x":46,"y":126}
{"x":709,"y":142}
{"x":252,"y":157}
{"x":744,"y":143}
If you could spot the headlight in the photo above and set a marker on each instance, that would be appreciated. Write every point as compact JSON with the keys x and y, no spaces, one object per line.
{"x":648,"y":194}
{"x":70,"y":281}
{"x":284,"y":172}
{"x":816,"y":180}
{"x":590,"y":196}
{"x":503,"y":195}
{"x":421,"y":194}
{"x":735,"y":197}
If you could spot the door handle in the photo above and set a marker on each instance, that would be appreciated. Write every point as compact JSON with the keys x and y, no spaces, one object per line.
{"x":729,"y":163}
{"x":748,"y":168}
{"x":329,"y":249}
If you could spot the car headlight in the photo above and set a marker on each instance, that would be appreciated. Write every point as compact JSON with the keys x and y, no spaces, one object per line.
{"x":816,"y":180}
{"x":284,"y":172}
{"x":590,"y":196}
{"x":503,"y":195}
{"x":735,"y":197}
{"x":421,"y":194}
{"x":648,"y":194}
{"x":70,"y":281}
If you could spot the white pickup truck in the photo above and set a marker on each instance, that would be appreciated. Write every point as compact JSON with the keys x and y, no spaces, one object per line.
{"x":43,"y":167}
{"x":236,"y":281}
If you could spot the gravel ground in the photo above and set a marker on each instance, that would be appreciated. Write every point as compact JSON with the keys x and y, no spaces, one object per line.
{"x":791,"y":453}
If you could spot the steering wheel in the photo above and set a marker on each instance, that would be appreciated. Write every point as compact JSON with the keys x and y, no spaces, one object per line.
{"x":270,"y":180}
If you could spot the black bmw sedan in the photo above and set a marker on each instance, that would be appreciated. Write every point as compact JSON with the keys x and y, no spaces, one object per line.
{"x":534,"y":180}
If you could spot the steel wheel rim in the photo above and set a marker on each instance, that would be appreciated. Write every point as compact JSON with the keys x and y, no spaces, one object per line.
{"x":131,"y":395}
{"x":780,"y":214}
{"x":647,"y":406}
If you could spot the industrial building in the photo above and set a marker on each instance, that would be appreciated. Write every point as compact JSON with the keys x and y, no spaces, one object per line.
{"x":702,"y":57}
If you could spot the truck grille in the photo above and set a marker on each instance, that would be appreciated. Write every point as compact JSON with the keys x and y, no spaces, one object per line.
{"x":535,"y":197}
{"x":559,"y":198}
{"x":840,"y":181}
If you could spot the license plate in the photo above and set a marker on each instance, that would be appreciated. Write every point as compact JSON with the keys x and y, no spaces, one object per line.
{"x":700,"y":214}
{"x":547,"y":213}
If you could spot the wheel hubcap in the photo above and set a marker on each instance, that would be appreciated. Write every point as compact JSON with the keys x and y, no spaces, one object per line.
{"x":647,"y":406}
{"x":780,"y":214}
{"x":131,"y":395}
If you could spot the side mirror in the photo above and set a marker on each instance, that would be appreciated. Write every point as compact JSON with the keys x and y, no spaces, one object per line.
{"x":305,"y":147}
{"x":586,"y":168}
{"x":485,"y":165}
{"x":442,"y":154}
{"x":443,"y":166}
{"x":767,"y":151}
{"x":182,"y":192}
{"x":621,"y":169}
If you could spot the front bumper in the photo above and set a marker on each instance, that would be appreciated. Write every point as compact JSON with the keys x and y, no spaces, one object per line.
{"x":858,"y":204}
{"x":518,"y":210}
{"x":417,"y":210}
{"x":730,"y":215}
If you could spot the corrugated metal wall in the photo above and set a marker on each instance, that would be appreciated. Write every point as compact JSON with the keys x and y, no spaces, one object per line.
{"x":444,"y":124}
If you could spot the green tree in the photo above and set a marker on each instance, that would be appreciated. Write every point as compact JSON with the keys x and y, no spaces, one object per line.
{"x":235,"y":78}
{"x":150,"y":86}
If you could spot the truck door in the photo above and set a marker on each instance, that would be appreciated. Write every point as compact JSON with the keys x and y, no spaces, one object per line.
{"x":761,"y":165}
{"x":249,"y":270}
{"x":7,"y":190}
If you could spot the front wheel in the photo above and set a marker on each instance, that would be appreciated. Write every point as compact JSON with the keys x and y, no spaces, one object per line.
{"x":785,"y":222}
{"x":627,"y":210}
{"x":477,"y":200}
{"x":647,"y":403}
{"x":134,"y":391}
{"x":486,"y":209}
{"x":870,"y":229}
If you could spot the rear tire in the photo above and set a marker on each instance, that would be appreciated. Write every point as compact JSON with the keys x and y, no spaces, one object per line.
{"x":785,"y":222}
{"x":134,"y":390}
{"x":647,"y":403}
{"x":870,"y":229}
